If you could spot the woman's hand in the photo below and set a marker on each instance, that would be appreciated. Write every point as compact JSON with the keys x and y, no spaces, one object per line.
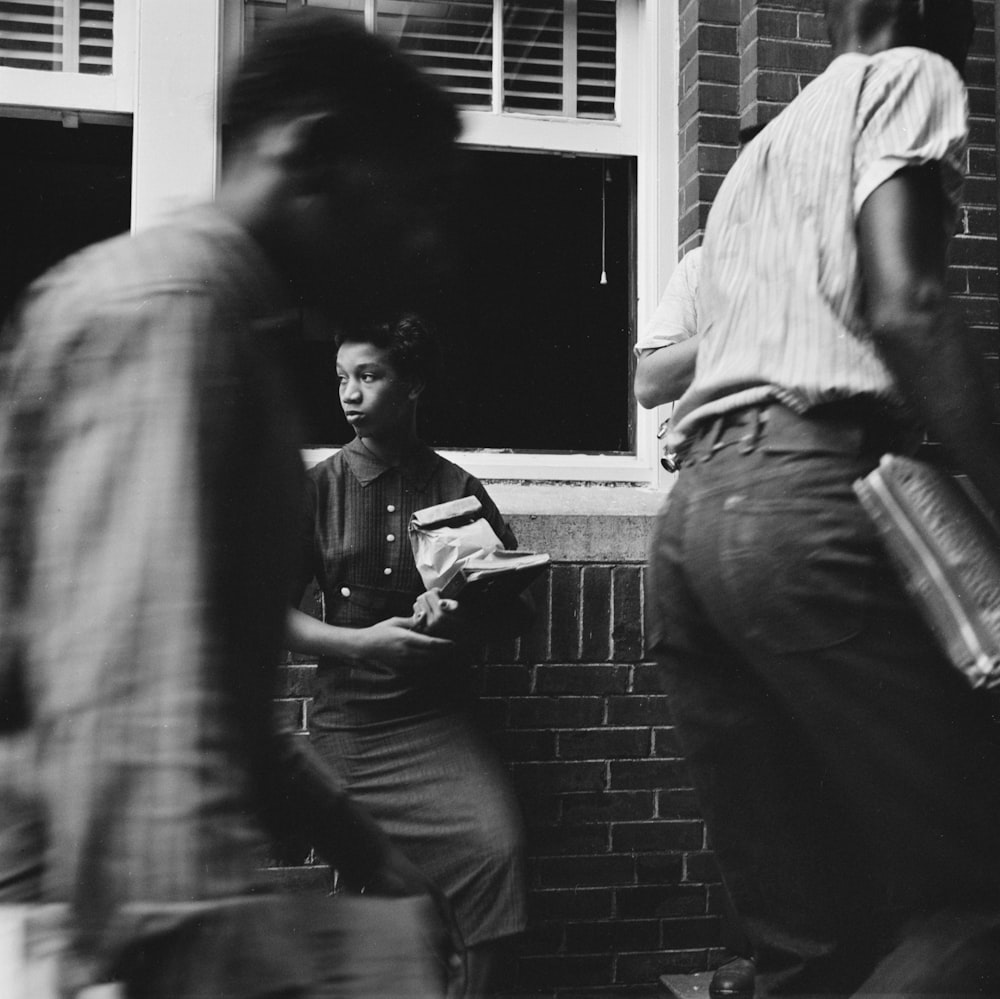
{"x":397,"y":642}
{"x":445,"y":618}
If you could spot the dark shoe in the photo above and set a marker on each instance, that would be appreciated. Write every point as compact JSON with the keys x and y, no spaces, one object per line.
{"x":733,"y":980}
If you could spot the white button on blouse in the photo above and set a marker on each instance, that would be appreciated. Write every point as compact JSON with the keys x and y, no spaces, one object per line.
{"x":390,"y":537}
{"x":345,"y":591}
{"x":387,"y":571}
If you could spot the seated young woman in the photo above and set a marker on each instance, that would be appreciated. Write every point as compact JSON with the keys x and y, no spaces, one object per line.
{"x":391,"y":711}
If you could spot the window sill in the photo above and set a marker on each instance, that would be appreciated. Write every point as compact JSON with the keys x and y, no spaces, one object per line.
{"x":580,"y":523}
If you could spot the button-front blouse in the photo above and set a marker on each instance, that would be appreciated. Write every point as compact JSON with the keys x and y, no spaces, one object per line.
{"x":357,"y":548}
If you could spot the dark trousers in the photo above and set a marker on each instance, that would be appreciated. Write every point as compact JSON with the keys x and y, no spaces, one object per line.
{"x":849,"y":778}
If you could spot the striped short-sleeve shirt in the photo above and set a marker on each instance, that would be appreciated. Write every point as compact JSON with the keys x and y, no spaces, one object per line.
{"x":780,"y":300}
{"x":676,"y":316}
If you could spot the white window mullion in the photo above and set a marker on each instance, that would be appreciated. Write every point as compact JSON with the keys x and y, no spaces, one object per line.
{"x":497,"y":56}
{"x":570,"y":50}
{"x":176,"y":128}
{"x":71,"y":36}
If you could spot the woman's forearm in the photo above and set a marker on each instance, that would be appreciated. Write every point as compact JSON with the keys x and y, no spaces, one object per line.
{"x":307,"y":634}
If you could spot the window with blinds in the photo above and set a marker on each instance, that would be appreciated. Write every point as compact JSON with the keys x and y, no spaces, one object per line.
{"x":67,"y":36}
{"x":545,"y":57}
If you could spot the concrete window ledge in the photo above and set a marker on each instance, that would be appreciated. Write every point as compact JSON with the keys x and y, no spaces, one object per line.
{"x":576,"y":523}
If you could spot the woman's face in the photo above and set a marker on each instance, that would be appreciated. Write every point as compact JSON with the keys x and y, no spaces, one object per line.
{"x":376,"y":400}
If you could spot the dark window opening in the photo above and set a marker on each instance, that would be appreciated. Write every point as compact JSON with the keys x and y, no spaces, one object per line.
{"x":537,"y":349}
{"x":60,"y":189}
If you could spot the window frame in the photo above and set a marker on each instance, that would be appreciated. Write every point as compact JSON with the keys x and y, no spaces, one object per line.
{"x":176,"y":160}
{"x":82,"y":93}
{"x":644,"y":127}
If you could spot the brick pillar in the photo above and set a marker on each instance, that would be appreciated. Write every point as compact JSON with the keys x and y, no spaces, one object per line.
{"x":783,"y":45}
{"x":708,"y":107}
{"x":973,"y":271}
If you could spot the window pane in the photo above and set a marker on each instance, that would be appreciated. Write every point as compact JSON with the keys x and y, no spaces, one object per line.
{"x":353,"y":9}
{"x":452,"y":41}
{"x":73,"y":36}
{"x":96,"y":33}
{"x":60,"y":189}
{"x":258,"y":12}
{"x":537,"y":350}
{"x":559,"y":57}
{"x":596,"y":38}
{"x":533,"y":56}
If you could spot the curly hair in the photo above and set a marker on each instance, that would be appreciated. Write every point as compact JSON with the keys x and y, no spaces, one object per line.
{"x":411,"y":345}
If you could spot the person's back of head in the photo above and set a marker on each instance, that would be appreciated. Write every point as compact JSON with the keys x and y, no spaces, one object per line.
{"x":941,"y":26}
{"x":317,"y":61}
{"x":340,"y":158}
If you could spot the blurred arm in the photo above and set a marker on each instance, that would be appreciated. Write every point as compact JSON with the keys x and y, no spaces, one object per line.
{"x":663,"y":375}
{"x":918,"y":332}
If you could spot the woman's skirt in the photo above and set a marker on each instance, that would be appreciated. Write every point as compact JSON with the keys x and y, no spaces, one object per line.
{"x":441,"y":794}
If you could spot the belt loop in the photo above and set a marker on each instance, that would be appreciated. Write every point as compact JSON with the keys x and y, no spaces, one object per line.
{"x":750,"y":441}
{"x":713,"y":444}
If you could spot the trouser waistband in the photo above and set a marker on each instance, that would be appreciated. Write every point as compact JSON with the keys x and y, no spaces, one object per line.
{"x":839,"y":428}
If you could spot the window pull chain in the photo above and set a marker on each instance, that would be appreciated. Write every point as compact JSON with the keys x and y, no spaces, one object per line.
{"x":604,"y":221}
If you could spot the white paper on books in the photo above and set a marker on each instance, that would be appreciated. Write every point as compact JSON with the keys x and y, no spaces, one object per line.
{"x":444,"y":537}
{"x":500,"y":572}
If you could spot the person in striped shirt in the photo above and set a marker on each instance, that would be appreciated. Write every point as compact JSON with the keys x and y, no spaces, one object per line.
{"x":847,"y":774}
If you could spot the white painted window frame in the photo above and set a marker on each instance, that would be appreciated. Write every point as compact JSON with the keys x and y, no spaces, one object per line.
{"x":645,"y":127}
{"x":176,"y":159}
{"x":23,"y":90}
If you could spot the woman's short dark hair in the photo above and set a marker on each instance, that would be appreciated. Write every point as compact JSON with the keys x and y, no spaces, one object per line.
{"x":315,"y":60}
{"x":410,"y":343}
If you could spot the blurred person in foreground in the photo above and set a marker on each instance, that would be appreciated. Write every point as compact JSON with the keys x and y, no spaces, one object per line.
{"x":150,"y":495}
{"x":847,"y":772}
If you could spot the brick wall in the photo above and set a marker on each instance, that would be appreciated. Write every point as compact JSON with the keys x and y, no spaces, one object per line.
{"x":623,"y":885}
{"x":618,"y":875}
{"x":973,"y":272}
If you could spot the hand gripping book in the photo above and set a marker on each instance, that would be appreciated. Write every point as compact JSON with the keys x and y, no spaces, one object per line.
{"x":946,"y":549}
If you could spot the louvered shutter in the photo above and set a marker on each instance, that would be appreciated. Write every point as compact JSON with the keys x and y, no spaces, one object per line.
{"x":72,"y":36}
{"x":96,"y":35}
{"x":596,"y":40}
{"x":533,"y":62}
{"x":558,"y":55}
{"x":451,"y":41}
{"x":259,"y":12}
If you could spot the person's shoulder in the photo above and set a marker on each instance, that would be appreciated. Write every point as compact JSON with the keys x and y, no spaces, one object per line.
{"x":130,"y":267}
{"x":690,"y":265}
{"x":918,"y":70}
{"x":328,"y":470}
{"x":83,"y":292}
{"x":452,"y":477}
{"x":442,"y":466}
